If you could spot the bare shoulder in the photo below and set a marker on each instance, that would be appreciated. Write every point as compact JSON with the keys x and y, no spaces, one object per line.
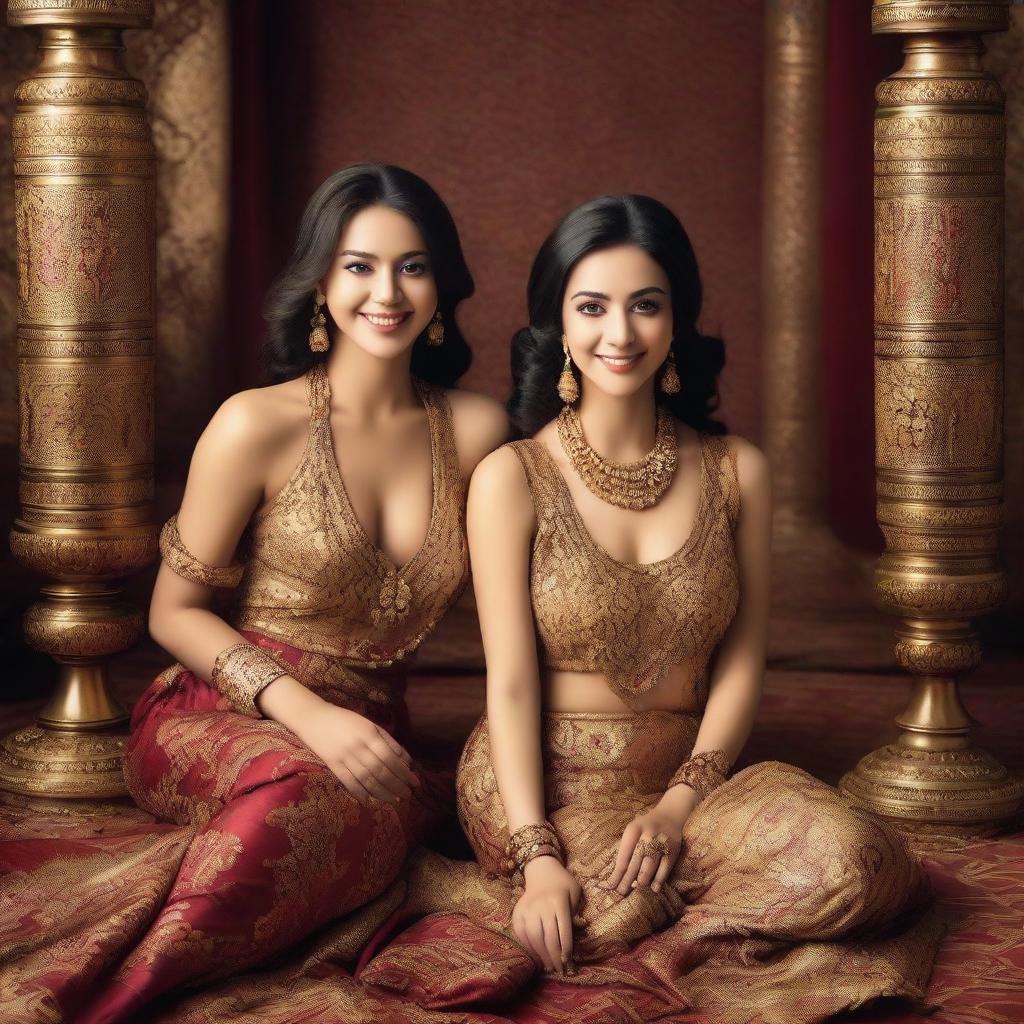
{"x":499,"y":488}
{"x":500,"y":473}
{"x":260,"y":415}
{"x":255,"y":422}
{"x":480,"y":424}
{"x":753,"y":471}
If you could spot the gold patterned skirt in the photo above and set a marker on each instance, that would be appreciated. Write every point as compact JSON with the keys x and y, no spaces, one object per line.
{"x":780,"y":878}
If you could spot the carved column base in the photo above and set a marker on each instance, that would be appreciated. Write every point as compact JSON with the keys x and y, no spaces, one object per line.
{"x":968,"y":791}
{"x":74,"y":748}
{"x":53,"y":763}
{"x":931,"y":779}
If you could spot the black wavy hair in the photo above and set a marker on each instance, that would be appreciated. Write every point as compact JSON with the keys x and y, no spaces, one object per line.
{"x":345,"y":193}
{"x":537,"y":356}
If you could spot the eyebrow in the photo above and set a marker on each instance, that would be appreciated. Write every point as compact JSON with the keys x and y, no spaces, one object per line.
{"x":372,"y":256}
{"x":607,"y":298}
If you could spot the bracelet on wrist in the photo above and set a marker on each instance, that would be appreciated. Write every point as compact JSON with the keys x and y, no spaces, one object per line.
{"x":528,"y":843}
{"x":241,"y":672}
{"x":703,"y":773}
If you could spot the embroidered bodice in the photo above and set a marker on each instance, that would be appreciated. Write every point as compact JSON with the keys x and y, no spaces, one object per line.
{"x":313,"y":579}
{"x":632,"y":621}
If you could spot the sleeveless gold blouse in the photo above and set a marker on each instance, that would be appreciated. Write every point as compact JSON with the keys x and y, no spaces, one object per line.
{"x":313,"y":579}
{"x":632,"y":621}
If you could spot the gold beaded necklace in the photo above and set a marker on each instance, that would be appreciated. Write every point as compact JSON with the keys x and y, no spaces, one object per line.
{"x":636,"y":485}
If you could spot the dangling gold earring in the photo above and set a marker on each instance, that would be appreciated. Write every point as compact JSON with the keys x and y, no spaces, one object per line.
{"x":435,"y":332}
{"x":318,"y":340}
{"x":568,"y":389}
{"x":670,"y":383}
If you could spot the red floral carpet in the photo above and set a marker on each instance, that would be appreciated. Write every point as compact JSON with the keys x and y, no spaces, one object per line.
{"x":821,"y":721}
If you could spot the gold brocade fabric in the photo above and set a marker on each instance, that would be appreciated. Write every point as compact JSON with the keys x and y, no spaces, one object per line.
{"x":779,"y":874}
{"x":314,"y":580}
{"x":632,"y":621}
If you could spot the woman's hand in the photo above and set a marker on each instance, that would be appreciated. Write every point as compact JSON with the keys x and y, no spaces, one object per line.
{"x":542,"y":919}
{"x":368,"y":761}
{"x":652,"y":842}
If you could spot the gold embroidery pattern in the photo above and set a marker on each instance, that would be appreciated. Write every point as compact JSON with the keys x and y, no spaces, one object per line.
{"x":395,"y":599}
{"x":188,"y":567}
{"x":211,"y":854}
{"x":314,"y":580}
{"x":600,"y":770}
{"x":632,"y":621}
{"x":289,"y":848}
{"x":203,"y":756}
{"x":74,"y":913}
{"x":315,"y":824}
{"x":175,"y":937}
{"x":772,"y":853}
{"x":703,"y":772}
{"x":241,"y":672}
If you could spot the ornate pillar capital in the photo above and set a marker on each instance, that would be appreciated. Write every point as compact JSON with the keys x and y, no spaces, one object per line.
{"x":906,"y":16}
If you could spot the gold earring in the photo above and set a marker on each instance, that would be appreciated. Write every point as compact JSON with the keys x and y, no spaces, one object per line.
{"x":670,"y":383}
{"x":318,"y":340}
{"x":435,"y":332}
{"x":568,"y":389}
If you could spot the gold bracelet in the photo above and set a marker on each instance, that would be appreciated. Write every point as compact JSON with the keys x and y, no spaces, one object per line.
{"x":182,"y":562}
{"x":241,"y":672}
{"x":703,"y":772}
{"x":528,"y":843}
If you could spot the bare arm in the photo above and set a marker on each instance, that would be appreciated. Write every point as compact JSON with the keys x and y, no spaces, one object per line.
{"x":500,"y":523}
{"x":225,"y":484}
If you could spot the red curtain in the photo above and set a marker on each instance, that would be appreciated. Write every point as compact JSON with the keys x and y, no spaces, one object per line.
{"x":857,"y":62}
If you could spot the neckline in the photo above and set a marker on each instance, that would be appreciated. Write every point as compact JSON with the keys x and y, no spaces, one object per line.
{"x":691,"y":538}
{"x":347,"y":509}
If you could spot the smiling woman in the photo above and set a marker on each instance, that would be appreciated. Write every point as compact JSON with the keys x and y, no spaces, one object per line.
{"x":333,"y":501}
{"x":624,"y":617}
{"x":374,"y":203}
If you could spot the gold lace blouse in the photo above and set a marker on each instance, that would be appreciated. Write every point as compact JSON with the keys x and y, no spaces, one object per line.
{"x":313,"y":579}
{"x":632,"y":621}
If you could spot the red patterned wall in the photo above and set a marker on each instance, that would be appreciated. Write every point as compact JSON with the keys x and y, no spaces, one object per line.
{"x":517,"y":111}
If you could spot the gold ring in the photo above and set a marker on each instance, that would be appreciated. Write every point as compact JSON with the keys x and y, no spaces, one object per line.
{"x":655,"y":848}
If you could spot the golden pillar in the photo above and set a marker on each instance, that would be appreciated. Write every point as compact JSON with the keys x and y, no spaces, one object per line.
{"x":84,"y":208}
{"x":939,"y":178}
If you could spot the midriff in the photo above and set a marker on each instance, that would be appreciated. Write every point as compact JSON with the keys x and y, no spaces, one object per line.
{"x":577,"y":692}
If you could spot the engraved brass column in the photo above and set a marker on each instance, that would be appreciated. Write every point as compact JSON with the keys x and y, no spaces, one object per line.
{"x":84,"y":206}
{"x":939,"y":179}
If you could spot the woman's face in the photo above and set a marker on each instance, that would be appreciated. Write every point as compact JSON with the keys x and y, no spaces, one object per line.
{"x":380,"y":288}
{"x":617,"y":318}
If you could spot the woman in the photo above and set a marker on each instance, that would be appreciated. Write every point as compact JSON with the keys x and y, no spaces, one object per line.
{"x":282,"y":733}
{"x":621,"y":557}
